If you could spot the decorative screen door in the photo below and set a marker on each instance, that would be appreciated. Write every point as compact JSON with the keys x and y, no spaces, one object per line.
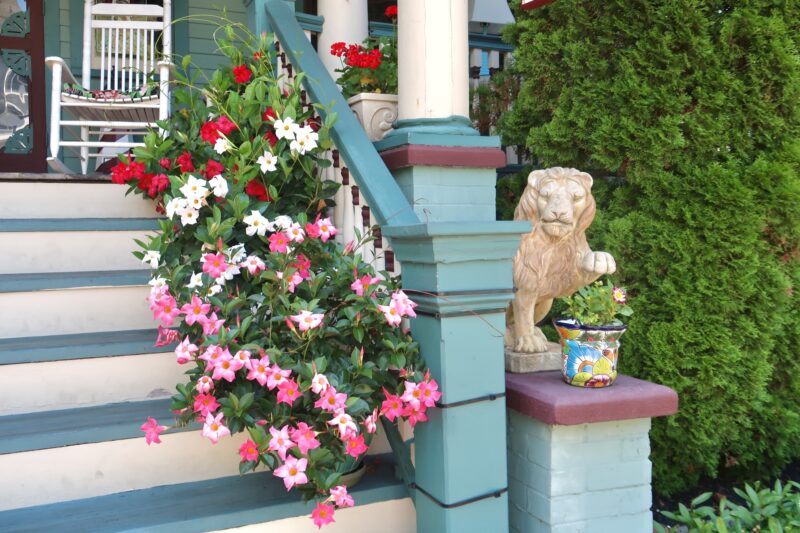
{"x":22,"y":104}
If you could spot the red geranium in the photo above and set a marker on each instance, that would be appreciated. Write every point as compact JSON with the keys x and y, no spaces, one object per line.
{"x":391,"y":12}
{"x":213,"y":168}
{"x":185,"y":162}
{"x":165,"y":163}
{"x":242,"y":74}
{"x":338,"y":49}
{"x":123,"y":173}
{"x":158,"y":184}
{"x":256,"y":188}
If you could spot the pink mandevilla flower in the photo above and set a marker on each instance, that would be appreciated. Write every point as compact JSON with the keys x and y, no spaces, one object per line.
{"x":296,"y":233}
{"x":305,"y":437}
{"x":429,"y":390}
{"x":166,"y":310}
{"x":185,"y":351}
{"x":347,"y":428}
{"x":205,"y":404}
{"x":214,"y":429}
{"x":241,"y":358}
{"x":371,"y":422}
{"x":278,"y":242}
{"x":322,"y":515}
{"x":414,"y":414}
{"x":212,"y":324}
{"x":280,"y":441}
{"x":195,"y":310}
{"x":166,"y":336}
{"x":326,"y":229}
{"x":224,"y":368}
{"x":258,"y":370}
{"x":331,"y":400}
{"x":253,"y":264}
{"x":288,"y":392}
{"x":292,"y":472}
{"x":363,"y":284}
{"x":204,"y":385}
{"x":393,"y":316}
{"x":276,"y":376}
{"x":340,"y":497}
{"x":249,"y":451}
{"x":214,"y":265}
{"x":319,"y":383}
{"x":404,"y":304}
{"x":392,"y":406}
{"x":152,"y":430}
{"x":356,"y":446}
{"x":307,"y":320}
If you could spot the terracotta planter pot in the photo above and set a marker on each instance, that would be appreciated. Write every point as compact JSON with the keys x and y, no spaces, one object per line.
{"x":376,"y":112}
{"x":589,"y":354}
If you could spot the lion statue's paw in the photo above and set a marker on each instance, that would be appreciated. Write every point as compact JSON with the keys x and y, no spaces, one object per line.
{"x":531,"y":343}
{"x":599,"y":263}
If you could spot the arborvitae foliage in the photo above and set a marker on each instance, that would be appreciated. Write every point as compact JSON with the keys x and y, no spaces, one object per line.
{"x":694,"y":108}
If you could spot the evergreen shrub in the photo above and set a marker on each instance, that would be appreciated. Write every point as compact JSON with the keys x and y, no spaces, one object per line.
{"x":693,"y":108}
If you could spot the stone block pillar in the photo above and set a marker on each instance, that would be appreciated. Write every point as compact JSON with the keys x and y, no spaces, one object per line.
{"x":578,"y":459}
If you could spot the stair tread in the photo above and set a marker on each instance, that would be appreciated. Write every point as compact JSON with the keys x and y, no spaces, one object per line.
{"x":17,"y":350}
{"x":77,"y":224}
{"x":39,"y":281}
{"x":220,"y":503}
{"x":82,"y":425}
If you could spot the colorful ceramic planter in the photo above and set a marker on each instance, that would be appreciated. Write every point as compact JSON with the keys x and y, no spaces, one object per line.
{"x":588,"y":353}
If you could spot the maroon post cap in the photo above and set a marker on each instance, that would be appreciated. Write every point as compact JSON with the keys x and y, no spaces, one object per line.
{"x":410,"y":155}
{"x":545,"y":397}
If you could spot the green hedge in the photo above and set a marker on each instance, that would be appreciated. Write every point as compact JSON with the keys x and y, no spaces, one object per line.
{"x":694,"y":108}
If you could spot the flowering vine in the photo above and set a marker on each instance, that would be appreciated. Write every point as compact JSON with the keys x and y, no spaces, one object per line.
{"x":285,"y":334}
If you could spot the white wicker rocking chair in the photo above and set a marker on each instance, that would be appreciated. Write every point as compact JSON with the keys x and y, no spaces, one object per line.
{"x":127,"y":100}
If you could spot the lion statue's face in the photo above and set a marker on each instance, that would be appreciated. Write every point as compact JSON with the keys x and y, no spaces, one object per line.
{"x":558,"y":201}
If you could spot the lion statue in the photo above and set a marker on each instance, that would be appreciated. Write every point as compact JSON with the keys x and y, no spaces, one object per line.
{"x":554,"y":259}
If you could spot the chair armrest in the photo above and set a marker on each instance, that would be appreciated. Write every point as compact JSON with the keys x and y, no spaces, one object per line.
{"x":66,"y":73}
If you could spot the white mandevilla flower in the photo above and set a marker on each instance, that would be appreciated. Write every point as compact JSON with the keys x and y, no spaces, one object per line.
{"x":231,"y":271}
{"x":175,"y":205}
{"x":196,"y":280}
{"x":256,"y":224}
{"x":214,"y":289}
{"x":194,"y":188}
{"x":222,"y":145}
{"x":283,"y":222}
{"x":152,"y":257}
{"x":286,"y":128}
{"x":157,"y":283}
{"x":189,"y":216}
{"x":196,"y":203}
{"x":219,"y":185}
{"x":268,"y":162}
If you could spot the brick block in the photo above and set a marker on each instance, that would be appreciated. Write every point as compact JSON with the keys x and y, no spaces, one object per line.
{"x":566,"y":482}
{"x":539,"y":506}
{"x":524,"y":522}
{"x":517,"y":494}
{"x":636,"y":449}
{"x":619,"y":475}
{"x":595,"y":505}
{"x":540,"y":451}
{"x":583,"y":455}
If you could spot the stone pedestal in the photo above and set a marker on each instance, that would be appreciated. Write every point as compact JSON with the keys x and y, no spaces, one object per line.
{"x":578,"y":459}
{"x":522,"y":363}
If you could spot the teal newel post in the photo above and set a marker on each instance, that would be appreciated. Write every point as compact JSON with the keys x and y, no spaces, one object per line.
{"x":457,"y":265}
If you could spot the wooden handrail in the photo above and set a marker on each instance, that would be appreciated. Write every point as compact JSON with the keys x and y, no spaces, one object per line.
{"x":375,"y":181}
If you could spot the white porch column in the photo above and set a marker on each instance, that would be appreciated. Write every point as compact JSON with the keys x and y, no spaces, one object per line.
{"x":345,"y":20}
{"x":433,"y":56}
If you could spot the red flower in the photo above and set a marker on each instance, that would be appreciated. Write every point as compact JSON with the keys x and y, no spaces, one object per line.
{"x":242,"y":74}
{"x":338,"y":49}
{"x":313,"y":124}
{"x":123,"y":173}
{"x":257,"y":189}
{"x":312,"y":230}
{"x":225,"y":125}
{"x":185,"y":162}
{"x":158,"y":184}
{"x":165,"y":163}
{"x":257,"y":56}
{"x":212,"y":169}
{"x":272,"y":138}
{"x":391,"y":12}
{"x":209,"y":132}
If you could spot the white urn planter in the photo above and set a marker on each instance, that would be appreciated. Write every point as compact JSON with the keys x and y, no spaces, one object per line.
{"x":376,"y":112}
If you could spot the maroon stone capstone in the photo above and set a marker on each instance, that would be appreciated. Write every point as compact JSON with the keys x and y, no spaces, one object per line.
{"x":413,"y":155}
{"x":545,"y":397}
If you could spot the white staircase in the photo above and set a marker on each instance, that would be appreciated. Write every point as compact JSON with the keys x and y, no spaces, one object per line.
{"x":79,"y":374}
